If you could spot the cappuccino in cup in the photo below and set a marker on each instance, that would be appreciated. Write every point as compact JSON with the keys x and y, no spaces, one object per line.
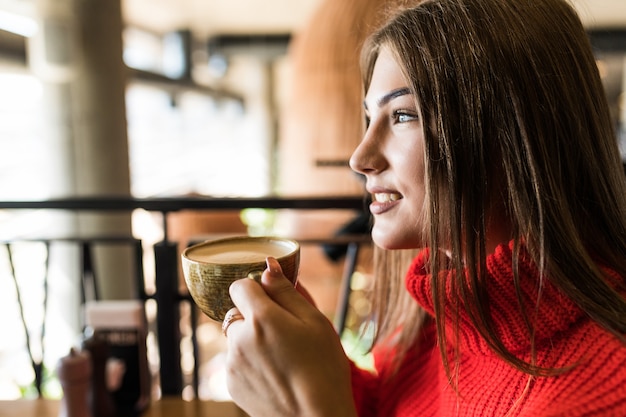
{"x":239,"y":251}
{"x":210,"y":267}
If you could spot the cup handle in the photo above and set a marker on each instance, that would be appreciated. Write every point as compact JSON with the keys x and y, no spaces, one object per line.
{"x":255,"y":275}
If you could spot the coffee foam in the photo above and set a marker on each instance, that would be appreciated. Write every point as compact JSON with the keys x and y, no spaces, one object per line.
{"x":239,"y":252}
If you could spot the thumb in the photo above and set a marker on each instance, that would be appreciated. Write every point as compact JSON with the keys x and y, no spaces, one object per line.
{"x":281,"y":290}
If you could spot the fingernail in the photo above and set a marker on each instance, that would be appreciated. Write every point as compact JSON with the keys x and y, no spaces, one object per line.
{"x":273,"y":265}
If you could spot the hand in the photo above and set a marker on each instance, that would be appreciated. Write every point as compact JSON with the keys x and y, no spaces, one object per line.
{"x":284,"y":358}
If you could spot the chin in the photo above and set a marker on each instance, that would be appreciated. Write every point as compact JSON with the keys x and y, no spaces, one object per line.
{"x":390,"y":241}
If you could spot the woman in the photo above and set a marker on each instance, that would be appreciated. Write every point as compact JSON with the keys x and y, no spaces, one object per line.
{"x":489,"y":143}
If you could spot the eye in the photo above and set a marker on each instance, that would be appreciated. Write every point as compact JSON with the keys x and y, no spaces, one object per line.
{"x":403,"y":116}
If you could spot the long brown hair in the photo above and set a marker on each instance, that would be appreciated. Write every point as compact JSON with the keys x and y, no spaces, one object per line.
{"x":393,"y":305}
{"x":516,"y":121}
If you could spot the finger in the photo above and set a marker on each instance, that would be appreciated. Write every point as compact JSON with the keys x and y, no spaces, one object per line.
{"x":281,"y":290}
{"x":248,"y":296}
{"x":306,"y":294}
{"x":231,"y":316}
{"x":275,"y":288}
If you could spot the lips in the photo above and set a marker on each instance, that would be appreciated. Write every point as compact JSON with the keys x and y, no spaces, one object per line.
{"x":384,"y":201}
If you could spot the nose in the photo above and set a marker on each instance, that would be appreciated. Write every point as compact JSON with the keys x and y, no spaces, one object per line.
{"x":357,"y":163}
{"x":367,"y":157}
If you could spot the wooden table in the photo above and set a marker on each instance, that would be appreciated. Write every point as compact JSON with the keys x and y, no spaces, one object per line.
{"x":165,"y":407}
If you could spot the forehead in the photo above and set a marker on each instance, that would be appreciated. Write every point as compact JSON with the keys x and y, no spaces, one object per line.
{"x":386,"y":77}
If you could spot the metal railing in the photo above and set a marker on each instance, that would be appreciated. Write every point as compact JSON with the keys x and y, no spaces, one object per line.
{"x":167,"y":295}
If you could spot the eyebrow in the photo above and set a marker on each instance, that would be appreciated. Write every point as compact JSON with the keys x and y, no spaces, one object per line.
{"x":390,"y":96}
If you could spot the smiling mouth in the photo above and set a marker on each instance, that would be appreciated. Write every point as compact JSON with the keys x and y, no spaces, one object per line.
{"x":386,"y":197}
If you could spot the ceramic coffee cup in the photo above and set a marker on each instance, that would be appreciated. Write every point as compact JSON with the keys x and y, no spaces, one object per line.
{"x":210,"y":267}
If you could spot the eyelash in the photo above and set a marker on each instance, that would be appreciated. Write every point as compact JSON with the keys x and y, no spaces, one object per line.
{"x":398,"y":114}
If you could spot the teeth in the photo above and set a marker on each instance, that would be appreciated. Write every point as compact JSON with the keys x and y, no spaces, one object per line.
{"x":386,"y":197}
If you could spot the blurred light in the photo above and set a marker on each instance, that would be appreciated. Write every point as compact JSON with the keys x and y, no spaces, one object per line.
{"x":17,"y":24}
{"x":173,"y":55}
{"x":19,"y":91}
{"x":218,"y":65}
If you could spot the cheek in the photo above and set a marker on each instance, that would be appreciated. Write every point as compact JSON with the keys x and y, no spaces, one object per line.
{"x":410,"y":155}
{"x":420,"y":219}
{"x":412,"y":170}
{"x":417,"y":207}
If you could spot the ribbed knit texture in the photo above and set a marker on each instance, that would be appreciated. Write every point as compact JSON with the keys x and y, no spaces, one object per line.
{"x":565,"y":337}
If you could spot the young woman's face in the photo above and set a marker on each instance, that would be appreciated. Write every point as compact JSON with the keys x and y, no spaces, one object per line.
{"x":391,"y":157}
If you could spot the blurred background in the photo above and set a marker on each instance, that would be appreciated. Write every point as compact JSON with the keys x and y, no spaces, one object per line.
{"x":173,"y":98}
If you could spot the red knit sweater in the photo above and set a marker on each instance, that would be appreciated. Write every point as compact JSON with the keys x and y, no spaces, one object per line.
{"x":595,"y":386}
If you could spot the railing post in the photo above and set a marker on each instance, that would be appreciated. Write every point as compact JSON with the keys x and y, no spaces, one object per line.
{"x":168,"y":316}
{"x":352,"y":256}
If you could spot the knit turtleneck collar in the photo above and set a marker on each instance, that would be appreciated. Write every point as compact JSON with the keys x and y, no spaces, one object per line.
{"x":555,"y":311}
